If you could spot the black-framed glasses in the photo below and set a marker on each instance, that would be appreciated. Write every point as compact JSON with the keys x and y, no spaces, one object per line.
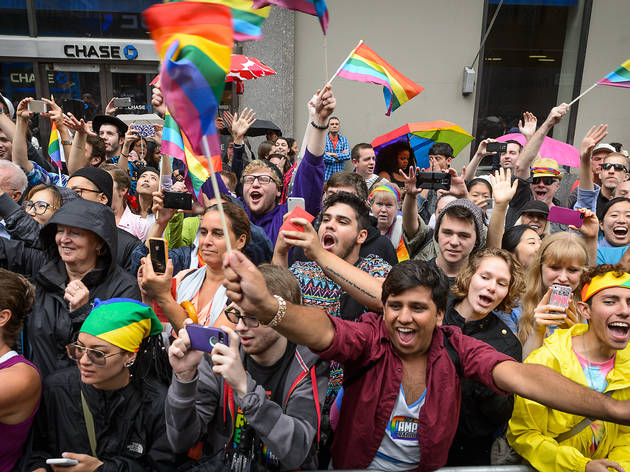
{"x":233,"y":314}
{"x":80,"y":190}
{"x":544,"y":180}
{"x":96,"y":357}
{"x":39,"y":208}
{"x":617,"y":167}
{"x":263,"y":179}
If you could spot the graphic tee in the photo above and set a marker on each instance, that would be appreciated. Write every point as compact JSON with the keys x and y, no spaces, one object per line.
{"x":399,"y":449}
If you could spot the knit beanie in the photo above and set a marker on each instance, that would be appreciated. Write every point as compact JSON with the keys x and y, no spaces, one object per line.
{"x":99,"y":177}
{"x":477,"y":219}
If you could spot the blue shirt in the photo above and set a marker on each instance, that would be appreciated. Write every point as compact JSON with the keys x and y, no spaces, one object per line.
{"x":334,"y":165}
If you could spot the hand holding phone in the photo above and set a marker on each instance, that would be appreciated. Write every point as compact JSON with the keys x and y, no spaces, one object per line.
{"x":145,"y":131}
{"x":433,"y":180}
{"x":37,"y":106}
{"x":62,"y":462}
{"x":293,"y":202}
{"x":298,"y":212}
{"x":159,"y":253}
{"x":204,"y":338}
{"x":496,"y":146}
{"x":565,"y":216}
{"x":122,"y":102}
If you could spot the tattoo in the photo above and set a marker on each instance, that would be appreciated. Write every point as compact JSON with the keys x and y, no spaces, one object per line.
{"x":349,"y":282}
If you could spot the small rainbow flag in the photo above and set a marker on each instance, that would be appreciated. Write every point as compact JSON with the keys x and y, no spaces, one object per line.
{"x":53,"y":145}
{"x":619,"y":77}
{"x":364,"y":65}
{"x":194,"y":41}
{"x":312,"y":7}
{"x":246,"y":20}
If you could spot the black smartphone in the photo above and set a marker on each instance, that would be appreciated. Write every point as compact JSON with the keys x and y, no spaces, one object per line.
{"x":433,"y":180}
{"x":158,"y":253}
{"x":496,"y":147}
{"x":179,"y":200}
{"x":74,"y":106}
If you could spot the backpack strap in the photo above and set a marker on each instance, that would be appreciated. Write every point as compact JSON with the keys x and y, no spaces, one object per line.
{"x":453,"y":354}
{"x":578,"y":427}
{"x":89,"y":424}
{"x":316,"y":398}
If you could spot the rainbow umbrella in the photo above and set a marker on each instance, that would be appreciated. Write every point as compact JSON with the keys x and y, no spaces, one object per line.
{"x":421,"y":137}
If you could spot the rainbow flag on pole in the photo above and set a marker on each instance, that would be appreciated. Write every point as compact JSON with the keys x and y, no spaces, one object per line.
{"x":619,"y":77}
{"x":364,"y":65}
{"x":312,"y":7}
{"x":54,"y":145}
{"x":246,"y":20}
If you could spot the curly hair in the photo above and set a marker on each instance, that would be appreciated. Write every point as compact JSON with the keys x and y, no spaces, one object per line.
{"x":596,"y":271}
{"x":562,"y":248}
{"x":515,"y":287}
{"x":17,"y":296}
{"x":259,"y":165}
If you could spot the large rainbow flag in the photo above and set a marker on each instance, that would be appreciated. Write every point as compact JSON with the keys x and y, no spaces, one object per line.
{"x":619,"y":77}
{"x":54,"y":145}
{"x":246,"y":20}
{"x":364,"y":65}
{"x":194,"y":41}
{"x":312,"y":7}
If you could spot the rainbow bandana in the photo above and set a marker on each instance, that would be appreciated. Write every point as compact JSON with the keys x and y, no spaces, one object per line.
{"x":386,"y":188}
{"x":122,"y":322}
{"x":608,"y":280}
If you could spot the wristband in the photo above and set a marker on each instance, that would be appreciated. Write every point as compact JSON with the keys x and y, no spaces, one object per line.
{"x":282,"y":311}
{"x":316,"y":126}
{"x":66,"y":142}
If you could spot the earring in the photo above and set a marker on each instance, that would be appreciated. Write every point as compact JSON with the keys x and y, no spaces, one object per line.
{"x":100,"y":251}
{"x":129,"y":364}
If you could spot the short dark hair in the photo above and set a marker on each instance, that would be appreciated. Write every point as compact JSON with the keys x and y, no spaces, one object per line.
{"x":360,"y":209}
{"x":334,"y":118}
{"x":459,"y":212}
{"x":98,"y":146}
{"x":479,"y":180}
{"x":443,"y":149}
{"x":513,"y":141}
{"x":281,"y":281}
{"x":612,"y":202}
{"x":356,"y":150}
{"x":410,"y":274}
{"x":346,"y":178}
{"x":17,"y":296}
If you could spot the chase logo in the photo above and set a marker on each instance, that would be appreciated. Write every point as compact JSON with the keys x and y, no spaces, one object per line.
{"x":130,"y":52}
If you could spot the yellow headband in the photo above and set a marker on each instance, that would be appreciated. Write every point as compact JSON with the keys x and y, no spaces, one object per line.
{"x":601,"y":282}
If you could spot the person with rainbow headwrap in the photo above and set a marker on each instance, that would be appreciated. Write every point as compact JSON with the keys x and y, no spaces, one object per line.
{"x":384,"y":201}
{"x":595,"y":355}
{"x":107,"y":413}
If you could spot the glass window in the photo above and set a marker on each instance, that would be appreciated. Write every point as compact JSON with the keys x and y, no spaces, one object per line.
{"x":17,"y":80}
{"x":92,"y":19}
{"x":13,"y":19}
{"x":64,"y":82}
{"x":134,"y":85}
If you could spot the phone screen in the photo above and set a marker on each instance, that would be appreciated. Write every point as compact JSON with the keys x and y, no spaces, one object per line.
{"x":157,"y":251}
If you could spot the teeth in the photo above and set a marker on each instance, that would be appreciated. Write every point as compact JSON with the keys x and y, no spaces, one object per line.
{"x":619,"y":325}
{"x":405,"y":330}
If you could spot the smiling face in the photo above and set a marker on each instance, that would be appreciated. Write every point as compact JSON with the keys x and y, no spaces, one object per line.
{"x":113,"y":374}
{"x":261,"y":198}
{"x":364,"y":166}
{"x":6,"y":146}
{"x":44,"y":196}
{"x":616,"y":224}
{"x":147,"y":183}
{"x":609,"y":319}
{"x":77,"y":247}
{"x":544,"y":188}
{"x":339,"y":231}
{"x":281,"y":147}
{"x":410,"y":318}
{"x":456,"y":239}
{"x":528,"y":247}
{"x":384,"y":207}
{"x":538,"y":221}
{"x":489,"y":285}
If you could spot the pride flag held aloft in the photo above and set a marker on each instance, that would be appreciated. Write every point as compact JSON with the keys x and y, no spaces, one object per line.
{"x":619,"y":77}
{"x":312,"y":7}
{"x":364,"y":65}
{"x":54,"y":145}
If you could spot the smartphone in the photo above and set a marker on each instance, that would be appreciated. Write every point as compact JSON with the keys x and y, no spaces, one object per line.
{"x":122,"y":102}
{"x":433,"y":180}
{"x":37,"y":106}
{"x":62,"y":462}
{"x":489,"y":203}
{"x":565,"y":216}
{"x":179,"y":200}
{"x":293,"y":202}
{"x":158,"y":253}
{"x":560,"y":296}
{"x":496,"y":147}
{"x":146,"y":131}
{"x":74,"y":106}
{"x":204,"y":338}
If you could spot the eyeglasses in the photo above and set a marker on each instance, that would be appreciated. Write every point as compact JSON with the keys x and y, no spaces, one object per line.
{"x":263,"y":179}
{"x":617,"y":167}
{"x":39,"y":208}
{"x":544,"y":180}
{"x":80,"y":190}
{"x":233,"y":314}
{"x":96,"y":357}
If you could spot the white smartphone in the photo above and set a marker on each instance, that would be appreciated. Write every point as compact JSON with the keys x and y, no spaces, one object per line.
{"x":62,"y":462}
{"x":293,"y":202}
{"x":37,"y":106}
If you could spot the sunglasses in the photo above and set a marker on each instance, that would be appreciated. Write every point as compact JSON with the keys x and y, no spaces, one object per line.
{"x":233,"y":314}
{"x":544,"y":180}
{"x":617,"y":167}
{"x":96,"y":357}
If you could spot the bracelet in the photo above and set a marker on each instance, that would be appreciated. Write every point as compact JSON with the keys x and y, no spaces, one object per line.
{"x":66,"y":142}
{"x":316,"y":126}
{"x":282,"y":310}
{"x":124,"y":155}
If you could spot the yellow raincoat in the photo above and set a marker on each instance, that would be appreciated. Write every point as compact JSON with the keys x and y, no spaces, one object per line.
{"x":534,"y":427}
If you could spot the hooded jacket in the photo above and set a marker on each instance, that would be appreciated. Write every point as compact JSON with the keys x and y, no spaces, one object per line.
{"x":204,"y":409}
{"x":50,"y":325}
{"x":128,"y":424}
{"x":534,"y":427}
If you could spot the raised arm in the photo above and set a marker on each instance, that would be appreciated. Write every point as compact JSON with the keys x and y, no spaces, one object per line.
{"x":502,"y":192}
{"x":55,"y":114}
{"x":77,"y":159}
{"x":592,"y":138}
{"x":19,"y":154}
{"x":131,"y":136}
{"x":531,"y":149}
{"x":482,"y":152}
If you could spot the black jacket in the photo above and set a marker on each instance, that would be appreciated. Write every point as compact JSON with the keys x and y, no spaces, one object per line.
{"x":50,"y":326}
{"x":483,"y":412}
{"x":128,"y":423}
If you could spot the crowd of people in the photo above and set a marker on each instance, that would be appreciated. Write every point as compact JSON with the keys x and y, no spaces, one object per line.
{"x":366,"y":321}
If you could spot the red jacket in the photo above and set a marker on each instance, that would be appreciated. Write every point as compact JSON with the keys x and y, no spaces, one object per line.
{"x":373,"y":374}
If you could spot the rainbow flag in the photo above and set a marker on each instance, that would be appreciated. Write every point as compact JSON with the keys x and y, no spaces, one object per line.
{"x":246,"y":20}
{"x":364,"y":65}
{"x":619,"y":77}
{"x":194,"y":41}
{"x":312,"y":7}
{"x":54,"y":145}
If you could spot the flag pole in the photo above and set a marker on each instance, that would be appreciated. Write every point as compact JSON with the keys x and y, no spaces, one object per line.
{"x":325,"y":58}
{"x":583,"y":93}
{"x":344,"y":63}
{"x":215,"y":187}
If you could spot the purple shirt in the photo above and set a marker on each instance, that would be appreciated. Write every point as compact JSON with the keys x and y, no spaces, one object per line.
{"x":375,"y":372}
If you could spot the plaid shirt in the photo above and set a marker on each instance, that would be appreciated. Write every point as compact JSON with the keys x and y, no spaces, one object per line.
{"x":40,"y":175}
{"x":335,"y":164}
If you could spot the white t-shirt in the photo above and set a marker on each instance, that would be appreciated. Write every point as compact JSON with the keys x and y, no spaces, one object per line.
{"x":136,"y":225}
{"x":399,"y":449}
